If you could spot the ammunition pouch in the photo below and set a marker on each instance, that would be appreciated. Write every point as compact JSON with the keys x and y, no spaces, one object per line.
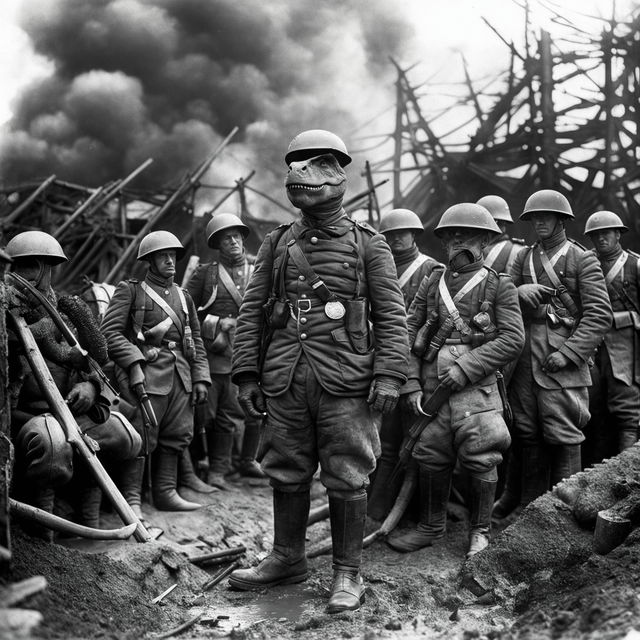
{"x":625,"y":319}
{"x":277,"y":312}
{"x":357,"y":324}
{"x":425,"y":334}
{"x":444,"y":332}
{"x":188,"y":345}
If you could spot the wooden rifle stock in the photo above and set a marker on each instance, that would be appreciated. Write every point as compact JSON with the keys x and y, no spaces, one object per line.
{"x":72,"y":431}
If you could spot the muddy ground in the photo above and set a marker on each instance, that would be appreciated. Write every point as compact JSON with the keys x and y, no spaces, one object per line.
{"x":539,"y":579}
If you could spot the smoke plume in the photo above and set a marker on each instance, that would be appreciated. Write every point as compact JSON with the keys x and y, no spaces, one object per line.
{"x":169,"y":79}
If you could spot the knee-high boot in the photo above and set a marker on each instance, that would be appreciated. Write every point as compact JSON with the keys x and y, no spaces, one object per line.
{"x":511,"y":492}
{"x":220,"y":446}
{"x":565,"y":461}
{"x":187,"y":476}
{"x":347,"y":516}
{"x":165,"y":480}
{"x":90,"y":501}
{"x":481,"y":493}
{"x":535,"y":473}
{"x":131,"y":478}
{"x":434,"y":496}
{"x":287,"y":562}
{"x":248,"y":465}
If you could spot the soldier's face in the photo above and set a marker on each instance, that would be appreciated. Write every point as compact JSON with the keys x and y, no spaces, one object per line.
{"x":605,"y":240}
{"x":545,"y":224}
{"x":163,"y":263}
{"x":457,"y":240}
{"x":400,"y":239}
{"x":231,"y":243}
{"x":38,"y":272}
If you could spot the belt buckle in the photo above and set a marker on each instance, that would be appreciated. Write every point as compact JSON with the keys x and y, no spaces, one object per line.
{"x":308,"y":305}
{"x":172,"y":344}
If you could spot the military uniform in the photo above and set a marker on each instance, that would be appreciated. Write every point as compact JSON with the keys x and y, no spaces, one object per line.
{"x":169,"y":375}
{"x":551,"y":408}
{"x":212,"y":295}
{"x":500,"y":254}
{"x":615,"y":394}
{"x":316,"y":375}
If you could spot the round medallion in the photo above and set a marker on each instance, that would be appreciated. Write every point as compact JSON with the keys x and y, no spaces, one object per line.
{"x":334,"y":309}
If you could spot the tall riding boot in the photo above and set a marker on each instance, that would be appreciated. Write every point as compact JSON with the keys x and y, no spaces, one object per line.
{"x":627,"y":438}
{"x":481,"y":495}
{"x":383,"y":492}
{"x":510,"y":496}
{"x":434,"y":496}
{"x":131,"y":478}
{"x":90,"y":501}
{"x":165,"y":479}
{"x":220,"y":446}
{"x":287,"y":562}
{"x":187,"y":476}
{"x":535,"y":473}
{"x":347,"y":532}
{"x":248,"y":465}
{"x":565,"y":461}
{"x":43,"y":498}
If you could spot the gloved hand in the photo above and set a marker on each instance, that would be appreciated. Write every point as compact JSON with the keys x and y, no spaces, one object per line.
{"x":531,"y":295}
{"x":200,"y":393}
{"x":82,"y":397}
{"x":409,"y":402}
{"x":454,"y":378}
{"x":251,"y":398}
{"x":384,"y":393}
{"x":555,"y":361}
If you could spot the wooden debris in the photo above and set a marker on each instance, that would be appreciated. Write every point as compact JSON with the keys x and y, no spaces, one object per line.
{"x":19,"y":591}
{"x":166,"y":592}
{"x":180,"y":628}
{"x":221,"y":576}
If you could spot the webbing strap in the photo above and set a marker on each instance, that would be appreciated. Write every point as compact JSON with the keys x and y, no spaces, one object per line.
{"x":166,"y":308}
{"x":314,"y":280}
{"x":411,"y":269}
{"x":561,"y":252}
{"x":227,"y":281}
{"x":494,"y":253}
{"x":616,"y":268}
{"x":450,"y":302}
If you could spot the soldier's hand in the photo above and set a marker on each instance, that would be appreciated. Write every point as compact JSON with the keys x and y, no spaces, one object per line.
{"x":136,"y":375}
{"x":411,"y":402}
{"x":454,"y":378}
{"x":199,"y":393}
{"x":555,"y":361}
{"x":251,"y":398}
{"x":82,"y":397}
{"x":384,"y":394}
{"x":531,"y":295}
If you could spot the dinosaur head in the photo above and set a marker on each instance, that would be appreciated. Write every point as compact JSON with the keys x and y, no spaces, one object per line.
{"x":316,"y":185}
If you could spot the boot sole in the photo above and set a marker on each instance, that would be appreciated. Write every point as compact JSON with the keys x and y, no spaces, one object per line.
{"x":411,"y":549}
{"x":340,"y":609}
{"x":256,"y":586}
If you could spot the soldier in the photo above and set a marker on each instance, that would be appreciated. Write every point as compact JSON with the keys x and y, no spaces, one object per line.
{"x":320,"y":370}
{"x":400,"y":228}
{"x":566,"y":312}
{"x":44,"y":458}
{"x":153,"y":334}
{"x":474,"y":328}
{"x":615,"y":393}
{"x":500,"y":255}
{"x":217,"y":289}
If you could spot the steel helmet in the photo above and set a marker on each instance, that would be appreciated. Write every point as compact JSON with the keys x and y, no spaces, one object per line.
{"x":221,"y":222}
{"x":604,"y":220}
{"x":398,"y":219}
{"x":36,"y":244}
{"x":497,"y":207}
{"x":468,"y":215}
{"x":547,"y":200}
{"x":314,"y":142}
{"x":159,"y":241}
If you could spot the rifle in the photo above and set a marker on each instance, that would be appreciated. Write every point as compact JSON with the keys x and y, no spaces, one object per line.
{"x":200,"y":423}
{"x":429,"y":411}
{"x":82,"y":444}
{"x":66,"y":332}
{"x":149,"y":421}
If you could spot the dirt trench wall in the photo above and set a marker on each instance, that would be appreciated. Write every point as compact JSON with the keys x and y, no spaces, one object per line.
{"x":6,"y":452}
{"x":554,"y":534}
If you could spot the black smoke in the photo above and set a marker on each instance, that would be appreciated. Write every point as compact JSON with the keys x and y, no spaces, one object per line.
{"x":169,"y":79}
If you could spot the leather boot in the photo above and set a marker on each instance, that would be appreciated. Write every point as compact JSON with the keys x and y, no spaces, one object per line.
{"x":565,"y":461}
{"x":165,"y":478}
{"x":510,"y":496}
{"x":434,"y":496}
{"x":287,"y":562}
{"x":347,"y":532}
{"x":90,"y":501}
{"x":43,"y":498}
{"x":187,"y":476}
{"x":383,"y":491}
{"x":626,"y":439}
{"x":248,"y":466}
{"x":131,"y":478}
{"x":535,"y":473}
{"x":220,"y":447}
{"x":481,"y":495}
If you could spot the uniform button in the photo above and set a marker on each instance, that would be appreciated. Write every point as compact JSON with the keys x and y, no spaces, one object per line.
{"x":345,"y":265}
{"x":304,"y":295}
{"x":455,"y":274}
{"x":166,"y":292}
{"x":303,"y":336}
{"x":303,"y":321}
{"x":313,"y":240}
{"x":237,"y":286}
{"x":239,"y":273}
{"x":467,"y":414}
{"x":301,"y":278}
{"x":453,"y":350}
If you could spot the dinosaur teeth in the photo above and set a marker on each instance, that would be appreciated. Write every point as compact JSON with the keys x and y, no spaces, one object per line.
{"x":305,"y":187}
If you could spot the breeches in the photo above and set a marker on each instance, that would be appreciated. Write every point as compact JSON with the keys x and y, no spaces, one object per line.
{"x":225,"y":411}
{"x":307,"y":426}
{"x":175,"y":420}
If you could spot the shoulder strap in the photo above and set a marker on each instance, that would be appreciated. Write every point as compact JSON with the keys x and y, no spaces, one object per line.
{"x":166,"y":308}
{"x":450,"y":303}
{"x":617,"y":267}
{"x":314,"y":280}
{"x":494,"y":253}
{"x":548,"y":265}
{"x":411,"y":269}
{"x":227,"y":282}
{"x":214,"y":289}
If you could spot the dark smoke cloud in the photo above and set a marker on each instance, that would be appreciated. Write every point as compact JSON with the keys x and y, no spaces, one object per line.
{"x":169,"y":78}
